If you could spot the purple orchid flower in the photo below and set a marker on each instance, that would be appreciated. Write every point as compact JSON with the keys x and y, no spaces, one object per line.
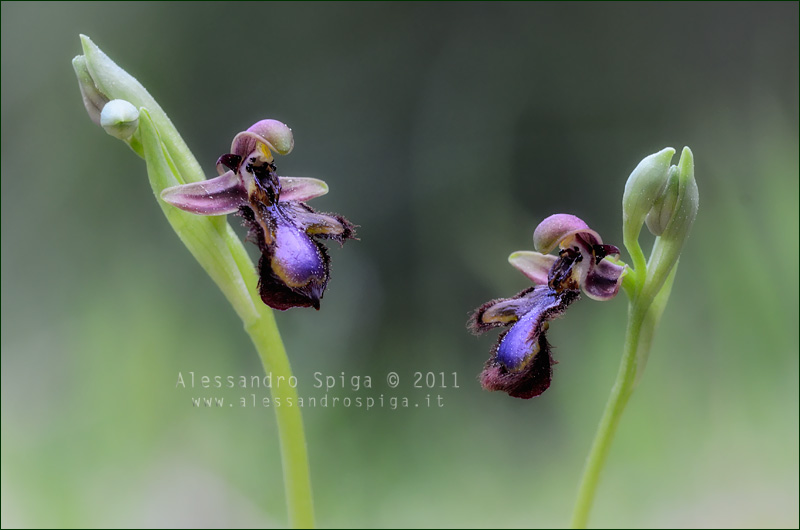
{"x":294,"y":267}
{"x":521,"y":363}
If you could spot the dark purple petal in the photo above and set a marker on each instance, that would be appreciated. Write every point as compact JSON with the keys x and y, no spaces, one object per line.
{"x":218,"y":196}
{"x":601,"y":251}
{"x":228,"y":161}
{"x":599,"y":277}
{"x":603,"y":280}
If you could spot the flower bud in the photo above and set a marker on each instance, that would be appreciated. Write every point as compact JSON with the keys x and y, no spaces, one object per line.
{"x":101,"y":80}
{"x":93,"y":99}
{"x":119,"y":118}
{"x":668,"y":246}
{"x":643,"y":188}
{"x":661,"y":212}
{"x":684,"y":211}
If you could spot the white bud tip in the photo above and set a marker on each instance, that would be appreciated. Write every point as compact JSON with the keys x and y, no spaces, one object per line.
{"x":119,"y":118}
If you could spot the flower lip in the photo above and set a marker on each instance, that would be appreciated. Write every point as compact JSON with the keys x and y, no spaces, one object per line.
{"x":294,"y":270}
{"x":559,"y":228}
{"x":524,"y":384}
{"x":520,"y":362}
{"x":278,"y":295}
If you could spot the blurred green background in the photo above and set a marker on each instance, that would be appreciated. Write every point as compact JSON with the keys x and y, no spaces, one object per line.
{"x":447,"y":131}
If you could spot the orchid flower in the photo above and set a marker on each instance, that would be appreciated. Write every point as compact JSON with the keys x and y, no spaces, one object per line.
{"x":521,"y":362}
{"x":294,"y":267}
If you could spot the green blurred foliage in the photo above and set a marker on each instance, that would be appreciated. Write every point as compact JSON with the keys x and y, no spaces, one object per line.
{"x":447,"y":131}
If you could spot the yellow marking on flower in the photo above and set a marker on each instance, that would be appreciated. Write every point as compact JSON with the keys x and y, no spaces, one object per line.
{"x":499,"y":317}
{"x":567,"y":241}
{"x":264,"y":229}
{"x":528,"y":358}
{"x":285,"y":277}
{"x":265,"y":152}
{"x":324,"y":229}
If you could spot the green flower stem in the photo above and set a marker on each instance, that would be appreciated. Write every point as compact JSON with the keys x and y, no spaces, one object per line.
{"x":296,"y":477}
{"x":644,"y":314}
{"x":652,"y":318}
{"x":620,"y":393}
{"x":638,"y":269}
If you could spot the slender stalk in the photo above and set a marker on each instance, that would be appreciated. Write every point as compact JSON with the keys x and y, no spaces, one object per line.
{"x":638,"y":269}
{"x":297,"y":480}
{"x":644,"y":314}
{"x":620,"y":393}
